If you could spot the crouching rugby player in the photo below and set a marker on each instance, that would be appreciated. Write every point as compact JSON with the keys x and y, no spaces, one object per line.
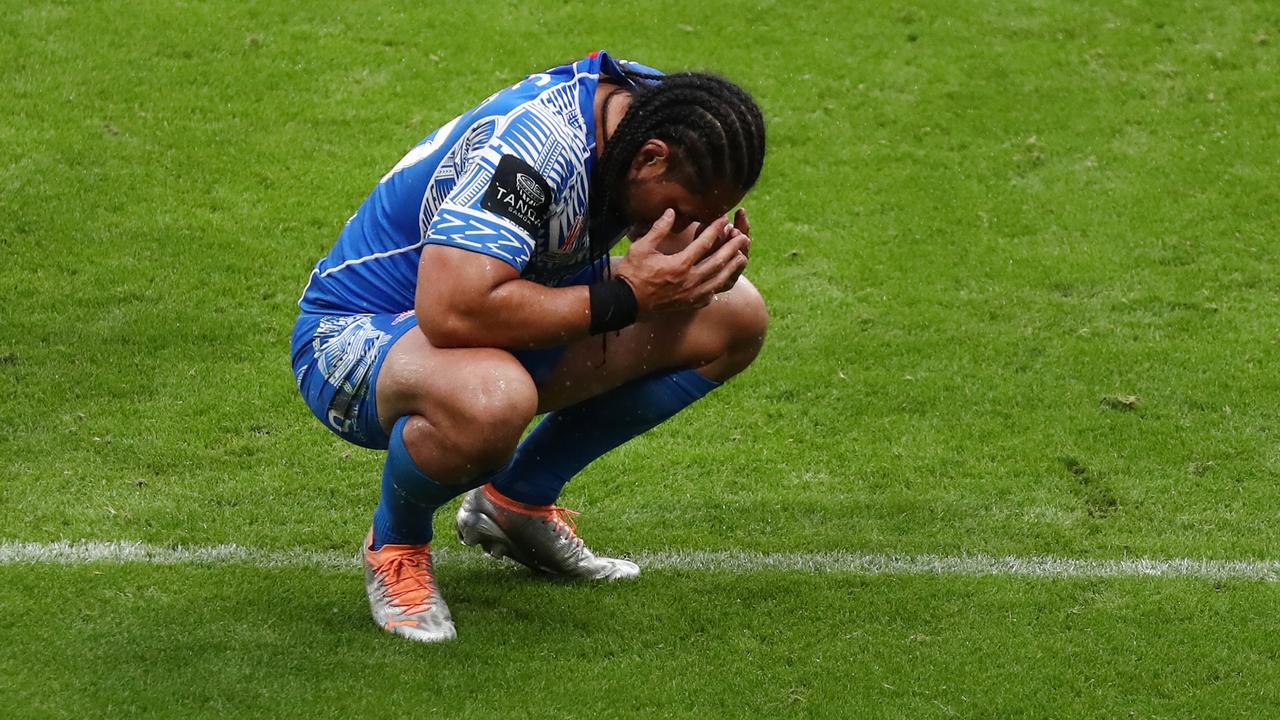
{"x":474,"y":289}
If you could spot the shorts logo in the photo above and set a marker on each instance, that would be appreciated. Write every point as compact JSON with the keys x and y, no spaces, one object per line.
{"x":518,"y":193}
{"x":346,"y":348}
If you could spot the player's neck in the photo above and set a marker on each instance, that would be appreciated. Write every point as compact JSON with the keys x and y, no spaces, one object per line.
{"x":610,"y":106}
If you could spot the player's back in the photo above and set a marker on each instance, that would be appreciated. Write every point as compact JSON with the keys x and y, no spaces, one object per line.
{"x":434,"y":195}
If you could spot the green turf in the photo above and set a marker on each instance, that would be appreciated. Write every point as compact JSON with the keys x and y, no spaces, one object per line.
{"x":982,"y":229}
{"x":213,"y":642}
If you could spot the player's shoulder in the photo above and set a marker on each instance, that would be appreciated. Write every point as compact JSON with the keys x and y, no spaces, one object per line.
{"x":562,"y":95}
{"x":540,"y":131}
{"x":538,"y":134}
{"x":533,"y":90}
{"x":636,"y":72}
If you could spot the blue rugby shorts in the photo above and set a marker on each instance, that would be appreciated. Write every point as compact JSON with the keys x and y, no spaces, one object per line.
{"x":336,"y":361}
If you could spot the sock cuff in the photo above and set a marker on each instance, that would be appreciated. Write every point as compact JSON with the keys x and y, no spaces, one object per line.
{"x":398,"y":456}
{"x":694,"y":383}
{"x":497,"y":498}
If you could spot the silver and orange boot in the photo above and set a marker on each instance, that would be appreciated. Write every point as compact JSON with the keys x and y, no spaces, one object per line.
{"x":541,"y":537}
{"x":403,"y":595}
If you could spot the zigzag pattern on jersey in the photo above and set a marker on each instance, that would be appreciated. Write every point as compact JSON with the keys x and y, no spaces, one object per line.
{"x":479,"y":230}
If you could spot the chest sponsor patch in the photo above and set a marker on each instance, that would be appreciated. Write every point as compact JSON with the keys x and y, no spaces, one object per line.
{"x":519,"y":194}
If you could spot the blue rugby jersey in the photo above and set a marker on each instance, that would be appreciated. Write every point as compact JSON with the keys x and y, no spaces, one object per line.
{"x":508,"y":178}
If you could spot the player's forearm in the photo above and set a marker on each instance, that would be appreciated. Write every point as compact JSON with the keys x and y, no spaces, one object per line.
{"x":516,"y":314}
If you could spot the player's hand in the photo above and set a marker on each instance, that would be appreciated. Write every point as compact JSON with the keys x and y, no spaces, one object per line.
{"x":688,"y":279}
{"x":741,"y":227}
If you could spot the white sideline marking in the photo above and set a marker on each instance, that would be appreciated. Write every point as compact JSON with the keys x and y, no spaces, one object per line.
{"x":853,"y":563}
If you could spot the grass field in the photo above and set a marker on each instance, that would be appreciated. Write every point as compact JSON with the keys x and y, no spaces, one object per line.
{"x":1017,"y":260}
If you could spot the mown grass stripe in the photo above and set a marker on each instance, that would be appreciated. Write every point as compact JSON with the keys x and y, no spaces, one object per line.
{"x":85,"y":552}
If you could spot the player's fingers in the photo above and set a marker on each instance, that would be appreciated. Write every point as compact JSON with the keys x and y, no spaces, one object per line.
{"x":702,"y":244}
{"x":712,"y":264}
{"x":740,"y":221}
{"x":659,"y":230}
{"x":741,"y":226}
{"x":727,"y":276}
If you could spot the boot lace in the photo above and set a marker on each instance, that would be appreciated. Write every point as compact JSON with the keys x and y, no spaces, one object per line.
{"x":563,"y":520}
{"x":409,"y":581}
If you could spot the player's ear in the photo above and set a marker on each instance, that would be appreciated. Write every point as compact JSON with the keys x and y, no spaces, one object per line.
{"x":651,"y":161}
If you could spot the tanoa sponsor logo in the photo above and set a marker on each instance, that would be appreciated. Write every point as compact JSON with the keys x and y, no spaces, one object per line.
{"x":529,"y":189}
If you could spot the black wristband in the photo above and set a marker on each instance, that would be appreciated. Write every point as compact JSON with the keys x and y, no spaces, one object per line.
{"x":613,"y":305}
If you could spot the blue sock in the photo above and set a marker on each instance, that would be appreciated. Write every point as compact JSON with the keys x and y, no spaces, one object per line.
{"x":567,"y":440}
{"x":409,"y":498}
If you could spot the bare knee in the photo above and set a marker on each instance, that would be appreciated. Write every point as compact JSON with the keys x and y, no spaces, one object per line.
{"x":740,"y":319}
{"x":494,"y":405}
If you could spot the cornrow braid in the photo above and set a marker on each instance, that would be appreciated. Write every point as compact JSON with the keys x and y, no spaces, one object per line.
{"x":714,"y":125}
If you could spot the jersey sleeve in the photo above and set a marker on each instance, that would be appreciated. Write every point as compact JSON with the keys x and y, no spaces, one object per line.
{"x":506,"y":190}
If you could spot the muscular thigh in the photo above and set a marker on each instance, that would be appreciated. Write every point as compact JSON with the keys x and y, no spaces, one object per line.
{"x":445,"y":385}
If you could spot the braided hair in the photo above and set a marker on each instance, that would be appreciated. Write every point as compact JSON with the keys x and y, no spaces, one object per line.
{"x":715,"y":127}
